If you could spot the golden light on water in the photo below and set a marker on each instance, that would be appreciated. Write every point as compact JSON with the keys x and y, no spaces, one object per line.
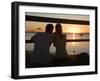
{"x":73,"y":43}
{"x":73,"y":36}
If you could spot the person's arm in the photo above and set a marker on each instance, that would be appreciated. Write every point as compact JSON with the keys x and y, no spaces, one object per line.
{"x":32,"y":39}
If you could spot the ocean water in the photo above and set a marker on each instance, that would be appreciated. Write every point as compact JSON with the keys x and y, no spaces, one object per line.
{"x":73,"y":48}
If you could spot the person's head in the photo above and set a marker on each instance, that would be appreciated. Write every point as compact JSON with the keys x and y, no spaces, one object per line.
{"x":49,"y":28}
{"x":58,"y":28}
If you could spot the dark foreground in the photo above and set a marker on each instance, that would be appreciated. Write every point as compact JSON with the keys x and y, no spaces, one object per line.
{"x":70,"y":60}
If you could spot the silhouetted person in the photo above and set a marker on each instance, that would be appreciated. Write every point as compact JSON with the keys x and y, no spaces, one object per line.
{"x":60,"y":42}
{"x":42,"y":43}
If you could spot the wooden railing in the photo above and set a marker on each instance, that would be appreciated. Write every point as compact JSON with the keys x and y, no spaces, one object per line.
{"x":69,"y":40}
{"x":55,"y":20}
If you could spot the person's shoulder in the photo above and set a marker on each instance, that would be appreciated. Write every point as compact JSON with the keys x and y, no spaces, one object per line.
{"x":44,"y":34}
{"x":39,"y":33}
{"x":64,"y":34}
{"x":54,"y":33}
{"x":49,"y":35}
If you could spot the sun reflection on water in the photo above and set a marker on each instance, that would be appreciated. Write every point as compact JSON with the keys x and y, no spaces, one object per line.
{"x":73,"y":43}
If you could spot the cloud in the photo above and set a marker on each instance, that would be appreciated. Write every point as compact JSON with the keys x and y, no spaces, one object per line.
{"x":39,"y":28}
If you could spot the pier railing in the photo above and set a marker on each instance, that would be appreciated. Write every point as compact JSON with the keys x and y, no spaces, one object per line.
{"x":69,"y":40}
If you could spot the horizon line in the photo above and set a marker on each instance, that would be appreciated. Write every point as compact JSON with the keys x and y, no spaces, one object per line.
{"x":64,"y":32}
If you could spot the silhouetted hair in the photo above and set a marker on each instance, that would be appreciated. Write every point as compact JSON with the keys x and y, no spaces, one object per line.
{"x":58,"y":28}
{"x":49,"y":28}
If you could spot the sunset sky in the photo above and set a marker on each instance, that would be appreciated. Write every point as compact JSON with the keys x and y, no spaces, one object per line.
{"x":67,"y":28}
{"x":33,"y":26}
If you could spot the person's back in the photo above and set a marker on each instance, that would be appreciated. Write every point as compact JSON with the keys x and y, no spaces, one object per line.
{"x":42,"y":40}
{"x":41,"y":48}
{"x":42,"y":43}
{"x":60,"y":44}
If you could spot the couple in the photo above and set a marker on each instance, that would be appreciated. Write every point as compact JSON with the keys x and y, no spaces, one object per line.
{"x":43,"y":41}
